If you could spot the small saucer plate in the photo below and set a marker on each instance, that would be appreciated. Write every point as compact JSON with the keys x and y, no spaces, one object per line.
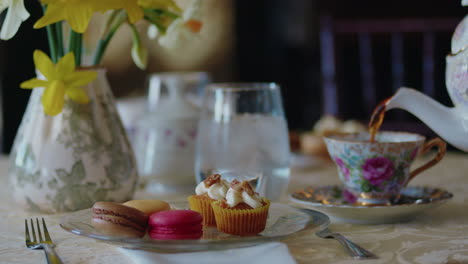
{"x":338,"y":203}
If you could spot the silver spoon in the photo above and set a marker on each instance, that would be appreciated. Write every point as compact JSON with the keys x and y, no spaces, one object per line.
{"x":354,"y":250}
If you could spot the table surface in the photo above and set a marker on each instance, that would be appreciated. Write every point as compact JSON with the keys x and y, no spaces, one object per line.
{"x":437,"y":236}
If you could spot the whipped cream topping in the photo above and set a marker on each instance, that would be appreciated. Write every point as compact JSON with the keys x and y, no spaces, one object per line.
{"x":216,"y":191}
{"x":235,"y":196}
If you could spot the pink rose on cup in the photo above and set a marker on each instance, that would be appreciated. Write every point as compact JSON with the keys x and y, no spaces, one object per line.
{"x":349,"y":196}
{"x":377,"y":170}
{"x":342,"y":167}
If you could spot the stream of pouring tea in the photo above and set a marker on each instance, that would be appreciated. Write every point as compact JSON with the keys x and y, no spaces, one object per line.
{"x":377,"y":118}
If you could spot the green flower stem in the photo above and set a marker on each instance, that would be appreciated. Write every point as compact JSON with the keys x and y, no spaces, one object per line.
{"x":51,"y":39}
{"x":136,"y":35}
{"x":71,"y":41}
{"x":160,"y":18}
{"x":78,"y":49}
{"x":52,"y":47}
{"x":102,"y":45}
{"x":104,"y":42}
{"x":75,"y":45}
{"x":59,"y":35}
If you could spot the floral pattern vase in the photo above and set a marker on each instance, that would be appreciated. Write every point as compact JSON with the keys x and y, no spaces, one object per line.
{"x":69,"y":161}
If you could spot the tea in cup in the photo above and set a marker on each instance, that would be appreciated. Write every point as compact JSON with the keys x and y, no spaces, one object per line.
{"x":376,"y":172}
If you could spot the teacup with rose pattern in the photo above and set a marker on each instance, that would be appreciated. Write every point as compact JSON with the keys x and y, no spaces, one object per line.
{"x":375,"y":172}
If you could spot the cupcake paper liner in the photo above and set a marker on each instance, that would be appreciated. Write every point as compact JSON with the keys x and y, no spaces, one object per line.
{"x":241,"y":222}
{"x":202,"y":204}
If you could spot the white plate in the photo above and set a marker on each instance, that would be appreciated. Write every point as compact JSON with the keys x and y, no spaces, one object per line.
{"x":331,"y":199}
{"x":283,"y":221}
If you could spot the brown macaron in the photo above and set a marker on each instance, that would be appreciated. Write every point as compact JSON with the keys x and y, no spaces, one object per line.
{"x":119,"y":220}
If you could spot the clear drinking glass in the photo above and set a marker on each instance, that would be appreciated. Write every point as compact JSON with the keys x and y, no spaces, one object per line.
{"x":166,"y":133}
{"x":242,"y":128}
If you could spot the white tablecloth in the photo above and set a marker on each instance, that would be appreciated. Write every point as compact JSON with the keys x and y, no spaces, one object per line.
{"x":438,"y":236}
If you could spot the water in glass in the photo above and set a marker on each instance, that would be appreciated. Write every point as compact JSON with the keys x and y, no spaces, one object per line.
{"x":239,"y":134}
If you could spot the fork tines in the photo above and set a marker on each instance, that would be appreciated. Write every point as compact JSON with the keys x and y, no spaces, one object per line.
{"x":39,"y":238}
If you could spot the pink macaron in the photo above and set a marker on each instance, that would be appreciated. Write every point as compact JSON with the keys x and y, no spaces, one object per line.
{"x":175,"y":224}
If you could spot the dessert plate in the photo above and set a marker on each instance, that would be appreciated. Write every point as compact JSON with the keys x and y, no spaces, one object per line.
{"x":338,"y":203}
{"x":283,"y":221}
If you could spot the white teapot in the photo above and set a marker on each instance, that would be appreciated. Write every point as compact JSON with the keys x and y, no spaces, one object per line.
{"x":450,"y":123}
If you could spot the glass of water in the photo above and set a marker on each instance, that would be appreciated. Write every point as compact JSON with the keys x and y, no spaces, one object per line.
{"x":165,"y":135}
{"x":242,"y":129}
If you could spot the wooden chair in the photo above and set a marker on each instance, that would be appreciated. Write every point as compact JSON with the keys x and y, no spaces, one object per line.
{"x":365,"y":60}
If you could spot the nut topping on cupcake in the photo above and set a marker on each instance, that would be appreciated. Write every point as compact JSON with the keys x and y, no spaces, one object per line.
{"x":211,"y":189}
{"x":242,"y":187}
{"x":242,"y":192}
{"x":213,"y":186}
{"x":215,"y":178}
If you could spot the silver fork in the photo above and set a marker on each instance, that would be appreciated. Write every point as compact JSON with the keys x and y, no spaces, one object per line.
{"x":354,"y":250}
{"x":39,"y":242}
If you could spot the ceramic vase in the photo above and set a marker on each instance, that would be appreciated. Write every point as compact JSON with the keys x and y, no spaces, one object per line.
{"x":69,"y":161}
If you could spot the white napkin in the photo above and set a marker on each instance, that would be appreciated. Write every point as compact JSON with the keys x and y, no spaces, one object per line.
{"x":269,"y":253}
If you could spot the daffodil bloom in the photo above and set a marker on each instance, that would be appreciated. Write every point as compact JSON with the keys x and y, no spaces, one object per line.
{"x":17,"y":13}
{"x":139,"y":52}
{"x":183,"y":29}
{"x":134,"y":8}
{"x":59,"y":80}
{"x":77,"y":13}
{"x":157,"y":12}
{"x":139,"y":55}
{"x":153,"y":31}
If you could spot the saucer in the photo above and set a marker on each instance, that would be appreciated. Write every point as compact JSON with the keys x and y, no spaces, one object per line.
{"x":338,"y":203}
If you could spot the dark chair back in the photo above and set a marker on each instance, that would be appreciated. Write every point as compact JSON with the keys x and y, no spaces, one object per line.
{"x":364,"y":61}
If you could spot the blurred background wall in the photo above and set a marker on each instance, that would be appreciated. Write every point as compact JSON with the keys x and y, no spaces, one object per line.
{"x":274,"y":41}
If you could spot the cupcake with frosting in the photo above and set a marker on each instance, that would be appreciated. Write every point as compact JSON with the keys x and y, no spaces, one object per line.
{"x":210,"y":190}
{"x":243,"y":212}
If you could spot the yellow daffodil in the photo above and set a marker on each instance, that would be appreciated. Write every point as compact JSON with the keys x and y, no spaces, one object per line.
{"x":182,"y":29}
{"x":139,"y":52}
{"x":17,"y":13}
{"x":77,"y":13}
{"x":60,"y":80}
{"x":134,"y":8}
{"x":160,"y":4}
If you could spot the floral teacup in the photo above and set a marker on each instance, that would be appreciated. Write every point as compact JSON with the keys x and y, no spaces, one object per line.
{"x":376,"y":172}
